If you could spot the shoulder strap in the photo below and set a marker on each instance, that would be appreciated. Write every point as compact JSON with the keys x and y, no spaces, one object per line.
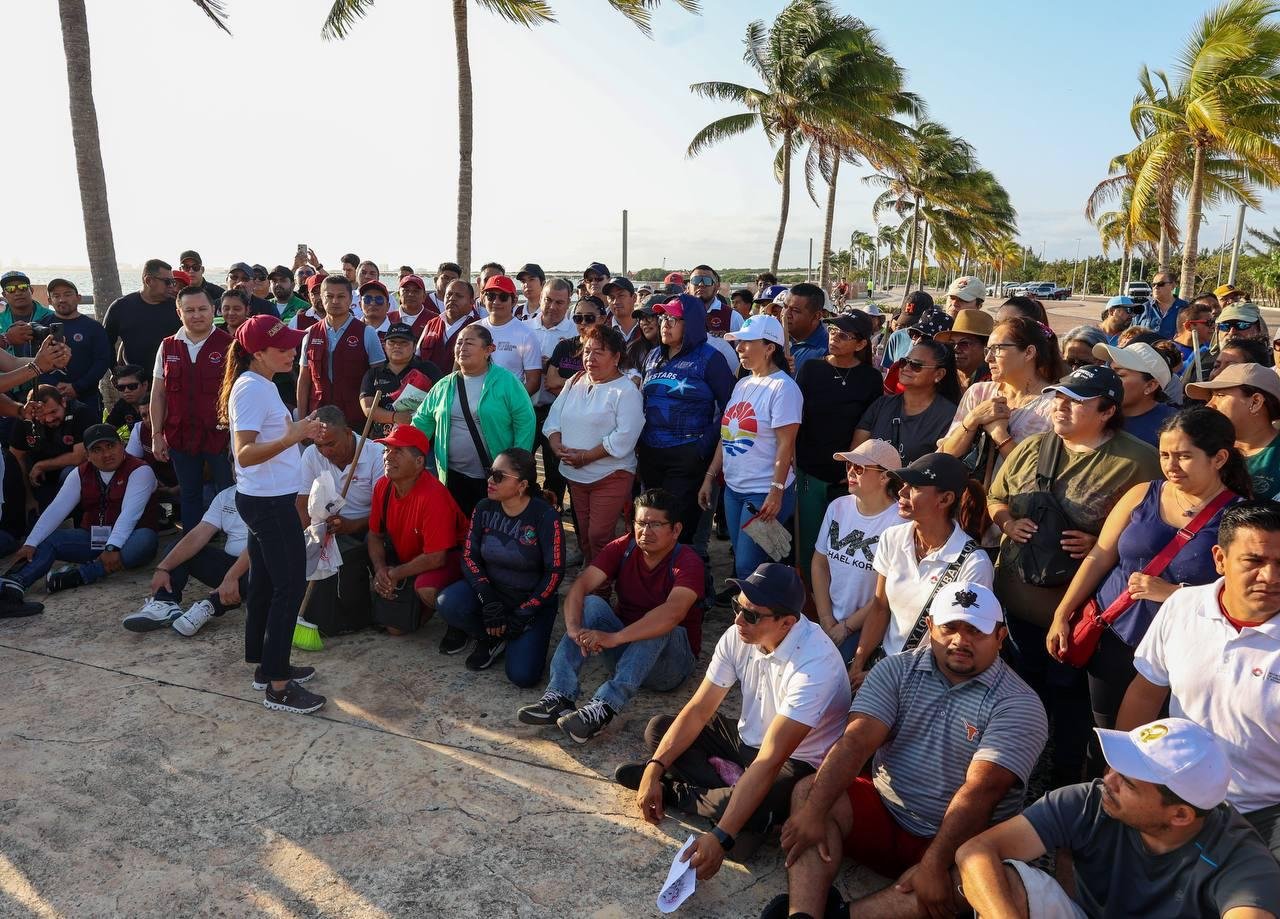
{"x":460,"y":383}
{"x":1047,"y":463}
{"x":948,"y":576}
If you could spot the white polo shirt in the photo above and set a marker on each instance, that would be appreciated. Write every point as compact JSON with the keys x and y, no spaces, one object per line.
{"x":255,"y":405}
{"x":804,"y":679}
{"x":909,"y":583}
{"x":1226,"y":681}
{"x":360,"y":495}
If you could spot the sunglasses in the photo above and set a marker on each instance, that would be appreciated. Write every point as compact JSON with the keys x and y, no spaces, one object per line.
{"x":128,"y":387}
{"x":373,"y":300}
{"x":917,"y":366}
{"x":1235,"y":325}
{"x":702,"y":280}
{"x":496,"y":476}
{"x":838,"y":335}
{"x":496,"y":295}
{"x":191,"y":266}
{"x":860,"y":469}
{"x":592,"y":279}
{"x":751,"y":617}
{"x":12,"y":288}
{"x":1162,"y":284}
{"x":580,"y":318}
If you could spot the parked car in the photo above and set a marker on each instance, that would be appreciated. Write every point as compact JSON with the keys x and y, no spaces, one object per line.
{"x":1044,"y":290}
{"x":1138,"y":291}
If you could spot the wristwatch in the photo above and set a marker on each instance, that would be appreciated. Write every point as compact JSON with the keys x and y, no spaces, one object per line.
{"x":110,"y":548}
{"x":725,"y":840}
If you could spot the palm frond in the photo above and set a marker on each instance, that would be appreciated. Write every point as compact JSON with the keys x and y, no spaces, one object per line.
{"x":527,"y":13}
{"x":342,"y":16}
{"x":215,"y":10}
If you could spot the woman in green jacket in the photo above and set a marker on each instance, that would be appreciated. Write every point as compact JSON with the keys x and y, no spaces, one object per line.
{"x":499,"y":406}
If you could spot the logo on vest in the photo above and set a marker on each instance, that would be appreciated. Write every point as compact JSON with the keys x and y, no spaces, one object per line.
{"x":352,"y":341}
{"x":215,"y":357}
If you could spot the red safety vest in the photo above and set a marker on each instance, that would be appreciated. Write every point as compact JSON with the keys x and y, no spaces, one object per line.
{"x":99,"y":508}
{"x":191,"y":394}
{"x":350,"y":361}
{"x":419,"y":322}
{"x":305,"y":320}
{"x":434,"y":347}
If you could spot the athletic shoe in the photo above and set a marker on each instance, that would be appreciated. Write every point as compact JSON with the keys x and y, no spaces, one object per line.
{"x":455,"y":640}
{"x":586,"y":722}
{"x":293,"y":698}
{"x":779,"y":907}
{"x":194,"y":619}
{"x":65,"y":579}
{"x":550,"y":708}
{"x":487,"y":650}
{"x":297,"y":675}
{"x":156,"y":614}
{"x":628,"y":775}
{"x":12,"y":591}
{"x":675,"y":793}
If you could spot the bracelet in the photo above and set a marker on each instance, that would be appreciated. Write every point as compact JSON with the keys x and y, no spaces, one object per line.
{"x":1004,"y":443}
{"x":778,"y":485}
{"x":648,"y":763}
{"x":967,"y":429}
{"x":710,"y":475}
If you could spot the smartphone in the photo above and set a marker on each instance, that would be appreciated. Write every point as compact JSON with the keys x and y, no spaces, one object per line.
{"x":302,"y":250}
{"x":55,"y":329}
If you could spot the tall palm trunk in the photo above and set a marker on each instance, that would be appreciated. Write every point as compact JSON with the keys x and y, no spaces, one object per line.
{"x":824,"y":273}
{"x":1162,"y":249}
{"x":924,"y":255}
{"x":911,"y":252}
{"x":92,"y":177}
{"x":464,"y":135}
{"x":1191,"y":241}
{"x":1124,"y":269}
{"x":786,"y":197}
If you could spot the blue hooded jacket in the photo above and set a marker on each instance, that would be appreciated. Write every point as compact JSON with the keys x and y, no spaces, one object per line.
{"x":684,"y":396}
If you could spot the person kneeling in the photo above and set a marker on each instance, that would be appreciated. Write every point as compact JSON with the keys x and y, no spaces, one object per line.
{"x":117,"y":527}
{"x":653,"y":638}
{"x":225,"y":569}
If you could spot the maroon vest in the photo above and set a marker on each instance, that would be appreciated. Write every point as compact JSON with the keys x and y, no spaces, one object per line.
{"x":305,"y":320}
{"x":719,"y":320}
{"x":419,"y":322}
{"x":350,"y":361}
{"x":103,"y":509}
{"x":434,"y":346}
{"x":191,"y":394}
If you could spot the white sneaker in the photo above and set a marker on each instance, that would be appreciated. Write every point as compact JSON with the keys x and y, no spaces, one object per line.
{"x":194,"y":619}
{"x":156,"y":614}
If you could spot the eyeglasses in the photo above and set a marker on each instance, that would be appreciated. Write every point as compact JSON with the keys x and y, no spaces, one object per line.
{"x":1235,"y":325}
{"x":999,"y":346}
{"x":838,"y":335}
{"x":373,"y":300}
{"x":702,"y":280}
{"x":167,"y":282}
{"x":917,"y":366}
{"x":496,"y":295}
{"x":580,"y":318}
{"x":652,"y":524}
{"x":13,"y":288}
{"x":496,"y":476}
{"x":128,"y":387}
{"x":668,"y":320}
{"x":751,"y":617}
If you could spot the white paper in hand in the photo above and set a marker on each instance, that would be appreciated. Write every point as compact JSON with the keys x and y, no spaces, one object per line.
{"x":681,"y":880}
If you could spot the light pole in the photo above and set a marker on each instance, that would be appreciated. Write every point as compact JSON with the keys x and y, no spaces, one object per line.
{"x":1075,"y":266}
{"x":1222,"y":253}
{"x":1235,"y":250}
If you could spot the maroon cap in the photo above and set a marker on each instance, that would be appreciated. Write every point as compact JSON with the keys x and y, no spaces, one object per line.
{"x":406,"y":435}
{"x":314,"y":281}
{"x":258,"y":333}
{"x":501,"y":282}
{"x":411,"y":279}
{"x":674,"y":277}
{"x":375,"y":285}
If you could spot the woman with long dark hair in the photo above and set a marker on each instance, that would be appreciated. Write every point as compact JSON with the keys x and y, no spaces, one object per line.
{"x":914,"y":419}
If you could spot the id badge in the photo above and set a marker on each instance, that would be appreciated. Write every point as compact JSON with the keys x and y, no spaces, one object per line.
{"x":98,"y":537}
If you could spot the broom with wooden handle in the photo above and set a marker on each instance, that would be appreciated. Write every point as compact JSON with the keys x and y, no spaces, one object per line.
{"x":306,"y":636}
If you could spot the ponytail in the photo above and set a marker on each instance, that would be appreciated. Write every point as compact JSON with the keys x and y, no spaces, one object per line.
{"x":971,"y":510}
{"x":238,"y":360}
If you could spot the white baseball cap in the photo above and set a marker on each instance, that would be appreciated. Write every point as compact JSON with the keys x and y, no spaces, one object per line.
{"x":872,"y":310}
{"x":967,"y":601}
{"x":873,"y":453}
{"x":967,"y":288}
{"x":1173,"y":752}
{"x":1139,"y":356}
{"x":760,"y":327}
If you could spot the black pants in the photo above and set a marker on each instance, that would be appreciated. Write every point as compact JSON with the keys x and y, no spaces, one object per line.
{"x":1110,"y":673}
{"x":551,"y":477}
{"x":1064,"y":693}
{"x":720,"y":738}
{"x":1267,"y":822}
{"x":679,"y":470}
{"x":466,"y":491}
{"x":343,"y":602}
{"x":209,"y":566}
{"x":277,"y":579}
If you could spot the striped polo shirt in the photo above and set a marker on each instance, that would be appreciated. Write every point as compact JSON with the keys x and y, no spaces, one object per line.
{"x":936,"y":728}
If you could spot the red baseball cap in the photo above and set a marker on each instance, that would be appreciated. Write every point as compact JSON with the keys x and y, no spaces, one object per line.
{"x":674,"y":277}
{"x":410,"y":279}
{"x":672,"y":307}
{"x":180,"y":275}
{"x":406,"y":435}
{"x":258,"y":333}
{"x":375,"y":285}
{"x":315,"y":279}
{"x":501,"y":282}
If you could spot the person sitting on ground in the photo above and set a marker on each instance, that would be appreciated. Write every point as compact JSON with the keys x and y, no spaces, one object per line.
{"x":224,"y":569}
{"x":48,"y":447}
{"x":388,"y":377}
{"x":950,"y":735}
{"x":653,"y":637}
{"x":134,"y":390}
{"x":1210,"y":654}
{"x":1144,"y":375}
{"x":513,"y":564}
{"x":117,"y":526}
{"x":795,"y":695}
{"x":1153,"y":840}
{"x":1249,"y":396}
{"x":411,"y":513}
{"x":1078,"y":344}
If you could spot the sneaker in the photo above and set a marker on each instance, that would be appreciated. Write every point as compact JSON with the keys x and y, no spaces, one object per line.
{"x":487,"y":650}
{"x":676,"y":794}
{"x":65,"y":579}
{"x":297,"y":675}
{"x":455,"y":640}
{"x":586,"y":722}
{"x":628,"y":775}
{"x":156,"y":614}
{"x":12,"y":591}
{"x":194,"y":619}
{"x":547,"y":710}
{"x":293,"y":698}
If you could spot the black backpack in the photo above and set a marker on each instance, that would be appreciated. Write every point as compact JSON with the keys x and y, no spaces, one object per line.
{"x":1041,"y":561}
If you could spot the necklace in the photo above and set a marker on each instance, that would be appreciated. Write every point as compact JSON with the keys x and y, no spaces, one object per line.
{"x":922,"y":548}
{"x":1194,"y":508}
{"x":843,"y":377}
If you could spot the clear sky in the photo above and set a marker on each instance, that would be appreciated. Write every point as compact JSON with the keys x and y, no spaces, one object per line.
{"x":244,"y":146}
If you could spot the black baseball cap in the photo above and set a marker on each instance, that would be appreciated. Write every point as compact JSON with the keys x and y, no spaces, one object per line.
{"x":619,"y":282}
{"x":599,"y":268}
{"x":531,"y":269}
{"x":97,"y":433}
{"x":854,"y":322}
{"x":1090,"y":382}
{"x":244,"y":267}
{"x":191,"y":254}
{"x":941,"y":470}
{"x":400,"y":330}
{"x":60,"y":282}
{"x":775,"y":586}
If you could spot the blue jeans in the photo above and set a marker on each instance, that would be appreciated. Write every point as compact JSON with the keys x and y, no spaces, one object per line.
{"x":73,"y":546}
{"x":277,"y":580}
{"x":661,"y":663}
{"x":189,"y":468}
{"x":747,"y":556}
{"x":526,"y":658}
{"x":849,"y":647}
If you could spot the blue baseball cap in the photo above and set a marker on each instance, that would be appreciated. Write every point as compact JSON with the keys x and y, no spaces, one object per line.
{"x":775,"y":586}
{"x":599,"y":268}
{"x":771,"y":292}
{"x":14,"y":276}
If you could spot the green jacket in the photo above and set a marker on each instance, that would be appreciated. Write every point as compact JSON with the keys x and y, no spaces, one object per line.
{"x":504,"y":414}
{"x":40,"y":313}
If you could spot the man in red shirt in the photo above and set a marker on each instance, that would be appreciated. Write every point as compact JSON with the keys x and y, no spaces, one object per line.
{"x":653,"y":637}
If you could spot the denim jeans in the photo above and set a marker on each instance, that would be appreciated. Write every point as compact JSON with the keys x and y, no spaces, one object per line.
{"x":277,"y":580}
{"x":73,"y":546}
{"x":661,"y":663}
{"x":526,"y":656}
{"x":189,"y":467}
{"x":747,"y":556}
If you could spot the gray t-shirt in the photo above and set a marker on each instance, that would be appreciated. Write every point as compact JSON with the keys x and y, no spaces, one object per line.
{"x":1225,"y":867}
{"x":913,"y":435}
{"x":462,"y":448}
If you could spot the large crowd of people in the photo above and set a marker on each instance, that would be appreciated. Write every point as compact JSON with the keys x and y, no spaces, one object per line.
{"x":971,"y":557}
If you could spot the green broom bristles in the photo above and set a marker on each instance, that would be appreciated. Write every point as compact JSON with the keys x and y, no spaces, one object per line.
{"x":306,"y":637}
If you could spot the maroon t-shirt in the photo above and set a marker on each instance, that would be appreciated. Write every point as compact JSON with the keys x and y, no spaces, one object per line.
{"x":640,"y":588}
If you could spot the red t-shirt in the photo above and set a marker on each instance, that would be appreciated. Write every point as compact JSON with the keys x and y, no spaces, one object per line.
{"x":425,"y":520}
{"x":640,"y":588}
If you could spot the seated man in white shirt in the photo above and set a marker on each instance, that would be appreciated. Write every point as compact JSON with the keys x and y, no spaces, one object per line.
{"x":117,"y":525}
{"x":223,"y":568}
{"x":795,"y":696}
{"x":341,"y":602}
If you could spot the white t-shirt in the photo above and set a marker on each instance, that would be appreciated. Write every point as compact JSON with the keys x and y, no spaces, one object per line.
{"x":804,"y":679}
{"x":222,"y":513}
{"x":255,"y":405}
{"x":848,"y":539}
{"x":908,"y":583}
{"x":193,"y":351}
{"x":757,"y":406}
{"x":589,"y":414}
{"x":1223,"y":680}
{"x":360,"y":495}
{"x":515,"y":347}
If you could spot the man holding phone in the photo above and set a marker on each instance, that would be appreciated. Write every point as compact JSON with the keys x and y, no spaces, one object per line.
{"x":87,"y":341}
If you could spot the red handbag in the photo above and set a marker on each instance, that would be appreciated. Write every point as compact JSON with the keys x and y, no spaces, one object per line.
{"x":1090,"y":621}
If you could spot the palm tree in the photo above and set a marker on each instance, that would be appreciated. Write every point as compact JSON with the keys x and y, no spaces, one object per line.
{"x":1003,"y":253}
{"x":529,"y":13}
{"x":1225,"y":104}
{"x":92,"y":177}
{"x":1269,"y":241}
{"x":887,"y":236}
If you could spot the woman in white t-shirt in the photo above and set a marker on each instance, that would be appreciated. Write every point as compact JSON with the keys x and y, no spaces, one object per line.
{"x":264,"y":441}
{"x":841,"y":572}
{"x":757,"y":440}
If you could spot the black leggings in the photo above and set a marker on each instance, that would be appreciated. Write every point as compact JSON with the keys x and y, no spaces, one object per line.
{"x":679,"y":470}
{"x":277,"y":580}
{"x":466,"y":491}
{"x":1065,"y":695}
{"x":1110,"y":673}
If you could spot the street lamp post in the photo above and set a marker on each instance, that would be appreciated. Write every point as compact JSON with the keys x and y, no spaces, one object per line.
{"x":1075,"y":265}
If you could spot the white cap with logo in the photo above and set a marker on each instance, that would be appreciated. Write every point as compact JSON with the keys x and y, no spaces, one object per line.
{"x":1174,"y":752}
{"x":967,"y":601}
{"x":760,"y":327}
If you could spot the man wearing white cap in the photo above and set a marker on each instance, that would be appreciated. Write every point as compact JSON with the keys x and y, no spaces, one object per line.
{"x":965,"y":293}
{"x":1144,"y":374}
{"x":951,"y":734}
{"x":1152,"y":839}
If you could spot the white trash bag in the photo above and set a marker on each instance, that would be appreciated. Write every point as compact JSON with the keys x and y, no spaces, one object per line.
{"x":323,"y":557}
